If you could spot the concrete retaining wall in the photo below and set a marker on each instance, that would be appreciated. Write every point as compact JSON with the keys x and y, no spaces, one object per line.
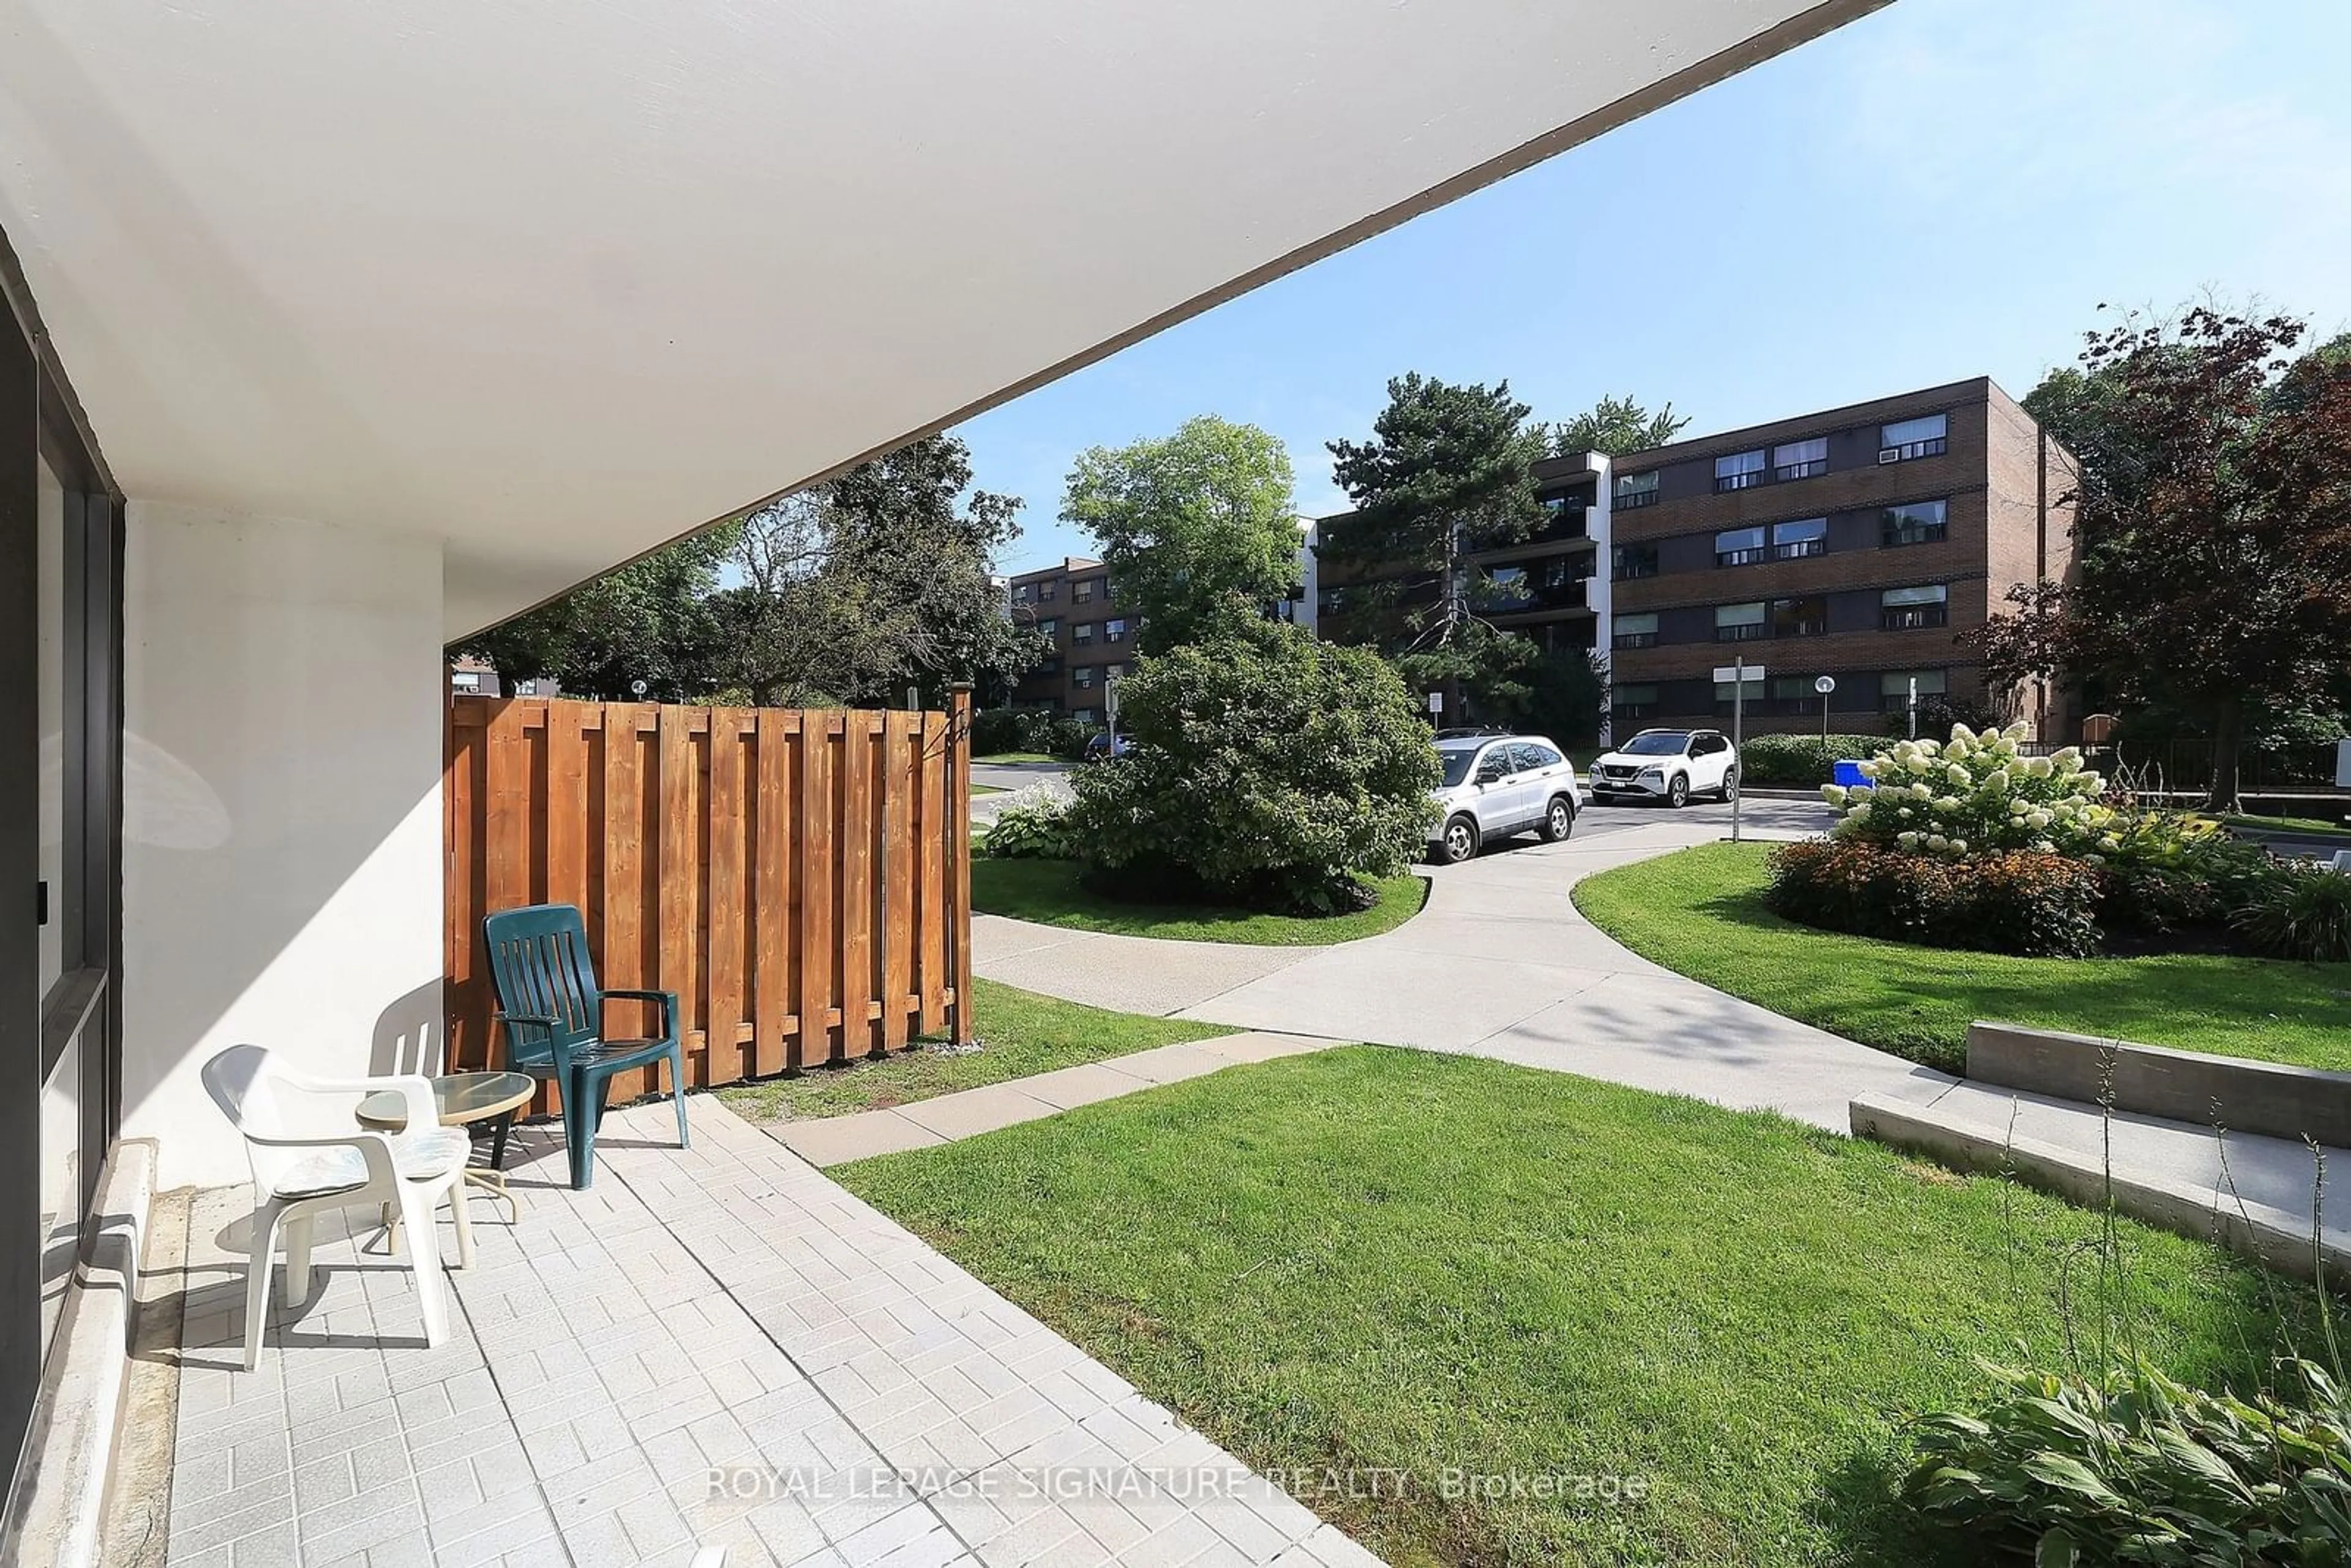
{"x":2243,"y":1096}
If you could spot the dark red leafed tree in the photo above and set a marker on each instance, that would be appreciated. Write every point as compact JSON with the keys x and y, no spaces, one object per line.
{"x":2212,"y":525}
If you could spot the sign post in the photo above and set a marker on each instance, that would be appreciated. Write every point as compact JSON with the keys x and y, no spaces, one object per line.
{"x":1436,"y":708}
{"x":1912,"y":707}
{"x":1824,"y":685}
{"x":1109,"y":706}
{"x":1738,"y":675}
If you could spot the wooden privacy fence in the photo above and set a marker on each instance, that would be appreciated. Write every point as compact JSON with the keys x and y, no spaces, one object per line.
{"x":801,"y":879}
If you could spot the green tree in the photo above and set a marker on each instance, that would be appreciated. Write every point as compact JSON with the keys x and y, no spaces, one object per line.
{"x":1196,"y":527}
{"x":1615,"y":427}
{"x":1450,"y":470}
{"x":2212,"y":525}
{"x":854,"y":590}
{"x":648,"y":621}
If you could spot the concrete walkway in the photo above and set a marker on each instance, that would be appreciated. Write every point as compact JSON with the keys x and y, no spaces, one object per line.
{"x":1501,"y":965}
{"x":714,"y":1346}
{"x":836,"y":1140}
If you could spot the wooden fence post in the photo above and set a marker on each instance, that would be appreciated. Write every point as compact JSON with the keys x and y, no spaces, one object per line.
{"x":958,"y":848}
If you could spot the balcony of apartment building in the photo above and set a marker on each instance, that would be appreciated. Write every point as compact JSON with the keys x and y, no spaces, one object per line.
{"x":333,"y":335}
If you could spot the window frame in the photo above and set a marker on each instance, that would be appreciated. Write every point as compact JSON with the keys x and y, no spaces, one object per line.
{"x":1743,"y":477}
{"x":1890,"y":450}
{"x":1618,"y":637}
{"x":1743,"y":630}
{"x":1890,"y":533}
{"x":1814,"y":460}
{"x":1637,"y":490}
{"x":1820,"y":541}
{"x":1744,"y":555}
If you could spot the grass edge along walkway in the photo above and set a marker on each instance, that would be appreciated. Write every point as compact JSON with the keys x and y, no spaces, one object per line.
{"x":1048,"y":893}
{"x":1699,"y":913}
{"x":1020,"y":1034}
{"x":1368,"y":1260}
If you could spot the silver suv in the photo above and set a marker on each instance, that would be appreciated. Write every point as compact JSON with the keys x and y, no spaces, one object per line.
{"x":1497,"y":785}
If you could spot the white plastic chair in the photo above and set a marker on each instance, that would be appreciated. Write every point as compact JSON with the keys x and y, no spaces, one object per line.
{"x":296,"y":1178}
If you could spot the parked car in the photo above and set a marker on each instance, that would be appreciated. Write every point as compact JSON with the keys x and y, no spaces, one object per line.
{"x":1496,"y":786}
{"x":1107,"y":745}
{"x":1668,"y":765}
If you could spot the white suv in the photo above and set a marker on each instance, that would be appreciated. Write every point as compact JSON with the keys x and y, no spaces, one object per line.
{"x":1497,"y":785}
{"x":1668,"y":765}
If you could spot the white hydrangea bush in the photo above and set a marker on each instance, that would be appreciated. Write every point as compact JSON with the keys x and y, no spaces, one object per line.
{"x":1974,"y":794}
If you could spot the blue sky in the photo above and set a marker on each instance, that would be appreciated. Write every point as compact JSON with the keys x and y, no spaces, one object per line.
{"x":1945,"y":188}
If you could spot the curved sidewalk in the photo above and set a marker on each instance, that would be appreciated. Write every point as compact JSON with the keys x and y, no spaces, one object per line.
{"x":1500,"y":964}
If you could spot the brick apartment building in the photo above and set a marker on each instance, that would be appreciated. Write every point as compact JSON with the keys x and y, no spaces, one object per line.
{"x":1859,"y":543}
{"x":1548,"y":586}
{"x":1092,"y":640}
{"x":1092,"y":637}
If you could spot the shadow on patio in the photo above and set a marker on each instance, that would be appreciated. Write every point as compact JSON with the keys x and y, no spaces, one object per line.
{"x":712,"y":1346}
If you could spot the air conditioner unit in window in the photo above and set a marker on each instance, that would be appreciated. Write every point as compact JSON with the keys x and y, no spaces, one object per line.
{"x":1889,"y":454}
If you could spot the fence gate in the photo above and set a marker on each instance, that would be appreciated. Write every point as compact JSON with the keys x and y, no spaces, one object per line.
{"x":801,"y":878}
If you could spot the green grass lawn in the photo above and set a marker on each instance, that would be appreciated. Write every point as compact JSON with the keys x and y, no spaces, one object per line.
{"x":1017,"y":756}
{"x":1021,"y":1033}
{"x":1374,"y":1258}
{"x":1048,"y":893}
{"x":987,"y":790}
{"x":2317,"y":827}
{"x":1699,"y":912}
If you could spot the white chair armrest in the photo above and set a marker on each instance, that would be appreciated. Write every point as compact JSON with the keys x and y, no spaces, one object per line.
{"x":375,"y":1152}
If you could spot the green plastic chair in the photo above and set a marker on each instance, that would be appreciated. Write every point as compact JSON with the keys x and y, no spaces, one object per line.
{"x":554,"y":1018}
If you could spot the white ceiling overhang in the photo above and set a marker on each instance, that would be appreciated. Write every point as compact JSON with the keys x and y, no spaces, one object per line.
{"x":558,"y":281}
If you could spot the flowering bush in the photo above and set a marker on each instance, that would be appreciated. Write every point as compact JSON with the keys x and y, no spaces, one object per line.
{"x":1974,"y":794}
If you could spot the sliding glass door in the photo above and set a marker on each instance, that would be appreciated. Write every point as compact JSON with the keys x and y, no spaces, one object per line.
{"x":60,"y":838}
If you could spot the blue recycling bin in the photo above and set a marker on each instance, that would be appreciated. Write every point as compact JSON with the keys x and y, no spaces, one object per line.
{"x":1848,"y":773}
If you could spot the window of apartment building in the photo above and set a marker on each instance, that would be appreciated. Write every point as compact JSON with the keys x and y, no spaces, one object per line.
{"x":1048,"y":667}
{"x":466,"y":679}
{"x":1633,"y":702}
{"x":1793,"y":694}
{"x":1806,"y":617}
{"x":1636,"y":490}
{"x":1024,"y":593}
{"x":1801,"y":459}
{"x":1331,"y":602}
{"x":1894,"y":688}
{"x":1114,"y":630}
{"x":1912,"y":438}
{"x":1051,"y":626}
{"x":1082,"y":592}
{"x":1508,"y":584}
{"x":1047,"y":590}
{"x":1082,"y":677}
{"x":1741,"y":623}
{"x":1804,"y":536}
{"x":1739,"y":546}
{"x":1913,"y":523}
{"x":1636,"y":631}
{"x":1083,"y":715}
{"x":526,"y":688}
{"x":1910,"y":609}
{"x":1635,"y":561}
{"x":1082,"y":634}
{"x":1739,"y":471}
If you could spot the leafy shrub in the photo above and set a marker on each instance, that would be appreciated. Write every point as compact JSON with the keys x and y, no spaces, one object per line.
{"x":1268,"y":767}
{"x":2034,"y":904}
{"x":2176,"y":873}
{"x":1800,"y":761}
{"x":1001,"y":729}
{"x":2138,"y":1469}
{"x":2300,"y":910}
{"x":1034,"y":824}
{"x":1939,"y":711}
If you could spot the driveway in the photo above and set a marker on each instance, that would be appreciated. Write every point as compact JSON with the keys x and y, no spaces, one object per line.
{"x":1501,"y":965}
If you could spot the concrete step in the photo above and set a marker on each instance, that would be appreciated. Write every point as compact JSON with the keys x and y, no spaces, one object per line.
{"x":2254,"y":1195}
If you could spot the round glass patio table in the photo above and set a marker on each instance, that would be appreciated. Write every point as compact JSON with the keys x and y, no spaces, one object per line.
{"x":463,"y":1098}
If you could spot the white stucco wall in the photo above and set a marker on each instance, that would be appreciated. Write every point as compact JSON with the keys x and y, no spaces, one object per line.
{"x":282,"y":854}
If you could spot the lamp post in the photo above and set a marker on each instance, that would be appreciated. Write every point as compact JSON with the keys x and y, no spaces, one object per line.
{"x":1824,"y":685}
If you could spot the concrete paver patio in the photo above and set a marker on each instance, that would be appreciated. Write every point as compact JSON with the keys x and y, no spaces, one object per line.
{"x":712,"y":1345}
